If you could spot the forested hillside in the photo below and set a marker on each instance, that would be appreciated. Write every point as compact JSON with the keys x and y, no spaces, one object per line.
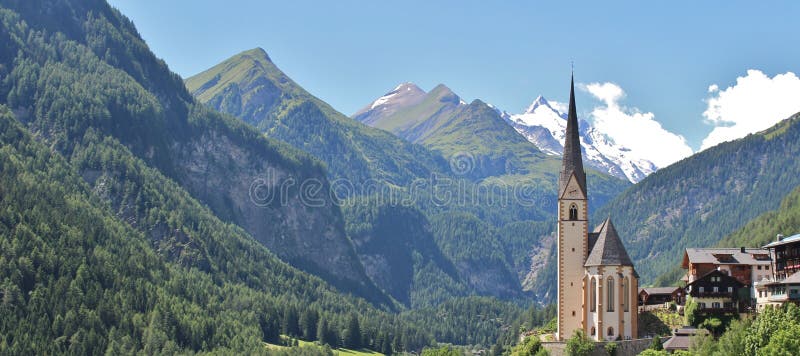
{"x":68,"y":76}
{"x":763,"y":229}
{"x":701,"y":199}
{"x":77,"y":277}
{"x":106,"y":247}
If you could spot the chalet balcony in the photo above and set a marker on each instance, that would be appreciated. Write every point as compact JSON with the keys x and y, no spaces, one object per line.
{"x":784,"y":298}
{"x":712,"y":294}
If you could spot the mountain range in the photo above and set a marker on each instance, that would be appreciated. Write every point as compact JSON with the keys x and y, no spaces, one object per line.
{"x":144,"y":213}
{"x":544,"y":125}
{"x":413,"y":114}
{"x":127,"y":212}
{"x":484,"y":160}
{"x":666,"y":211}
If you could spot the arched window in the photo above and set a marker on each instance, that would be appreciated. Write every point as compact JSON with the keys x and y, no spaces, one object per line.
{"x":625,"y":294}
{"x":610,"y":293}
{"x":593,"y":294}
{"x":594,"y":331}
{"x":610,"y":331}
{"x":573,"y":212}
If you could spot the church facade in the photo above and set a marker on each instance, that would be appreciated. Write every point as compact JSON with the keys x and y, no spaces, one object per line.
{"x":597,"y":283}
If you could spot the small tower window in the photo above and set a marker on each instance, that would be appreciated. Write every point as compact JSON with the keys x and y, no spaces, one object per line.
{"x":573,"y":212}
{"x":593,"y":331}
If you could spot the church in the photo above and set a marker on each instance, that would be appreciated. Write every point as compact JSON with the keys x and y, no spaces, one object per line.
{"x":597,"y":283}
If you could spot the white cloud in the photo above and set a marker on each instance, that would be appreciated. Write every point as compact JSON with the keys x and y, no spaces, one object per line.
{"x":558,"y":106}
{"x":633,"y":129}
{"x":753,"y":104}
{"x":712,"y":88}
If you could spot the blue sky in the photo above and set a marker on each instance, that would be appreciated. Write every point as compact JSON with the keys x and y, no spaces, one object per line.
{"x":663,"y":55}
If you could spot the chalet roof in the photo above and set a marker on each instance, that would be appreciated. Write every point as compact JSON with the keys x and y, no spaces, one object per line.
{"x":608,"y":250}
{"x":678,"y":342}
{"x":793,"y":279}
{"x":659,"y":290}
{"x":571,"y":161}
{"x":727,"y":256}
{"x":682,"y":338}
{"x":784,"y":241}
{"x":717,"y":272}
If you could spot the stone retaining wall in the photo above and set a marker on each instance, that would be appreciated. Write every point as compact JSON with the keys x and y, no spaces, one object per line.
{"x":624,"y":348}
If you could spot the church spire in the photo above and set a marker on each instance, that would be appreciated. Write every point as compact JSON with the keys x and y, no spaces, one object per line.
{"x":572,"y":162}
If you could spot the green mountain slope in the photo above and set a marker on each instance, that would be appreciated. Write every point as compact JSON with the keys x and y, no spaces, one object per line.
{"x":399,"y":260}
{"x":492,"y":174}
{"x":98,"y":77}
{"x":251,"y":87}
{"x":784,"y":220}
{"x":763,"y":229}
{"x":701,"y":199}
{"x":413,"y":120}
{"x":79,"y":275}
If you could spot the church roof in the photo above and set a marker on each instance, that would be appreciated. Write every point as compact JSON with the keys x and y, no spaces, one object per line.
{"x":608,"y":250}
{"x":572,"y":162}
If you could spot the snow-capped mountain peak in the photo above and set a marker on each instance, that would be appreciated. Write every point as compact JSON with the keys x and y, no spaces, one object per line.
{"x":545,"y":126}
{"x":540,"y":101}
{"x":399,"y":92}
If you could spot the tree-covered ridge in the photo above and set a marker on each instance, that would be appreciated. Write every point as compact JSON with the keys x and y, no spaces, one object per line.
{"x":99,"y":77}
{"x":701,"y":199}
{"x":763,"y":229}
{"x":77,"y":277}
{"x":399,"y":251}
{"x":784,"y":220}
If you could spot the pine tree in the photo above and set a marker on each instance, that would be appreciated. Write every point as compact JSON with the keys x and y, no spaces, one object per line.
{"x":352,"y":334}
{"x":322,"y":331}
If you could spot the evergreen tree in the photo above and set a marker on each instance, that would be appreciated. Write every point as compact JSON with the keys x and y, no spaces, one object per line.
{"x":352,"y":334}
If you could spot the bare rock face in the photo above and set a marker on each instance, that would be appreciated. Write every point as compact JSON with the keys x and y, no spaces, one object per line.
{"x":290,"y":212}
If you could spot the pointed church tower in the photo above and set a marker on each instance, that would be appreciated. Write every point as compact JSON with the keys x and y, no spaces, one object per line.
{"x":573,"y":229}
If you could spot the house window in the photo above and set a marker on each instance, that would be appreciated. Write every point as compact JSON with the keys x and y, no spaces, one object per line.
{"x":573,"y":212}
{"x":594,"y":331}
{"x":701,"y":290}
{"x":701,"y":305}
{"x":716,"y":289}
{"x":759,"y":268}
{"x":610,"y":331}
{"x":610,"y":298}
{"x":593,"y":293}
{"x":730,"y":289}
{"x":715,"y":305}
